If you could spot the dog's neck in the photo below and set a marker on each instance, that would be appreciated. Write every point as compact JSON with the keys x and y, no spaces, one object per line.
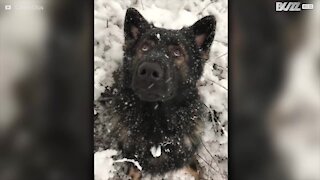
{"x":155,"y":114}
{"x":184,"y":98}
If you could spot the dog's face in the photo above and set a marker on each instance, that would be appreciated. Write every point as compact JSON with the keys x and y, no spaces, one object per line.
{"x":161,"y":63}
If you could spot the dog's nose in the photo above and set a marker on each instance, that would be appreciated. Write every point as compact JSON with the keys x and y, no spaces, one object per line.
{"x":150,"y":71}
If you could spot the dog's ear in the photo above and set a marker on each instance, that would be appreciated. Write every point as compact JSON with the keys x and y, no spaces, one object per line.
{"x":204,"y":31}
{"x":134,"y":24}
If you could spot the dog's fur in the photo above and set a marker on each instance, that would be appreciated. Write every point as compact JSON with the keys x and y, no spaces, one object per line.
{"x":168,"y":112}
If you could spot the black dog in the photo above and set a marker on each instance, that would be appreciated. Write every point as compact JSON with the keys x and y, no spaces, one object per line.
{"x":159,"y":114}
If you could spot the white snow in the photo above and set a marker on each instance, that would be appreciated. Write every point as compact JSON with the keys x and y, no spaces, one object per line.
{"x":104,"y":168}
{"x":136,"y":163}
{"x":109,"y":16}
{"x":177,"y":175}
{"x":103,"y":165}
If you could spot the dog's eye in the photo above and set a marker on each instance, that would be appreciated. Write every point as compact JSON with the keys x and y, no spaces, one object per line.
{"x":145,"y":47}
{"x":177,"y":52}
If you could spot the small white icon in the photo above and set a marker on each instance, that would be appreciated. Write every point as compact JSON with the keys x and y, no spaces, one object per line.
{"x":7,"y":7}
{"x":307,"y":6}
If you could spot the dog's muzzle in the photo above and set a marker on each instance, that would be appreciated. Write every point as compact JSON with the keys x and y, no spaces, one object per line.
{"x":149,"y":82}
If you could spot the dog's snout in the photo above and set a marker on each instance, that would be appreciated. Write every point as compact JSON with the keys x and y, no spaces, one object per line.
{"x":148,"y":81}
{"x":150,"y":71}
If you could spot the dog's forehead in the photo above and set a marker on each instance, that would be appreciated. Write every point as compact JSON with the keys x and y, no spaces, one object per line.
{"x":162,"y":35}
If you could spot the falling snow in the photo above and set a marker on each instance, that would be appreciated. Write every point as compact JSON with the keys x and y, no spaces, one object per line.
{"x":108,"y":42}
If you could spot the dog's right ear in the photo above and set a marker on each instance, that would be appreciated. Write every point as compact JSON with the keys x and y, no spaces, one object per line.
{"x":134,"y":24}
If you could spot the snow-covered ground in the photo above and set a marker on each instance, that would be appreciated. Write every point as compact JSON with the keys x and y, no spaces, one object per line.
{"x":108,"y":38}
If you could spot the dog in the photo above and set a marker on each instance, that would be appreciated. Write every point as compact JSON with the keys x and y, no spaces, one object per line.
{"x":159,"y":113}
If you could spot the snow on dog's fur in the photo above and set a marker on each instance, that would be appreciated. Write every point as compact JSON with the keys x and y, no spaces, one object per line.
{"x":212,"y":86}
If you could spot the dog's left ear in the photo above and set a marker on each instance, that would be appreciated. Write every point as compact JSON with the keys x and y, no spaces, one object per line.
{"x":204,"y":31}
{"x":134,"y":24}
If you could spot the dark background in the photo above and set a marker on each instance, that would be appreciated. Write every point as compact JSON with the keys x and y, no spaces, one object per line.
{"x":51,"y":136}
{"x":260,"y":42}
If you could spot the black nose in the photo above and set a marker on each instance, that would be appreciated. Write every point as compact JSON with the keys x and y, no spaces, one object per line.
{"x":150,"y":71}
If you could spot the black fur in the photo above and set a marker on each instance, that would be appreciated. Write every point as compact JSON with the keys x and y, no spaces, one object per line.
{"x":173,"y":120}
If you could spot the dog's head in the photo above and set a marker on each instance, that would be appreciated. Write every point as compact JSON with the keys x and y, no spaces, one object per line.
{"x":160,"y":64}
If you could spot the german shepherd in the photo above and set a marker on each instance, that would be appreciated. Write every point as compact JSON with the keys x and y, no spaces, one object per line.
{"x":159,"y":113}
